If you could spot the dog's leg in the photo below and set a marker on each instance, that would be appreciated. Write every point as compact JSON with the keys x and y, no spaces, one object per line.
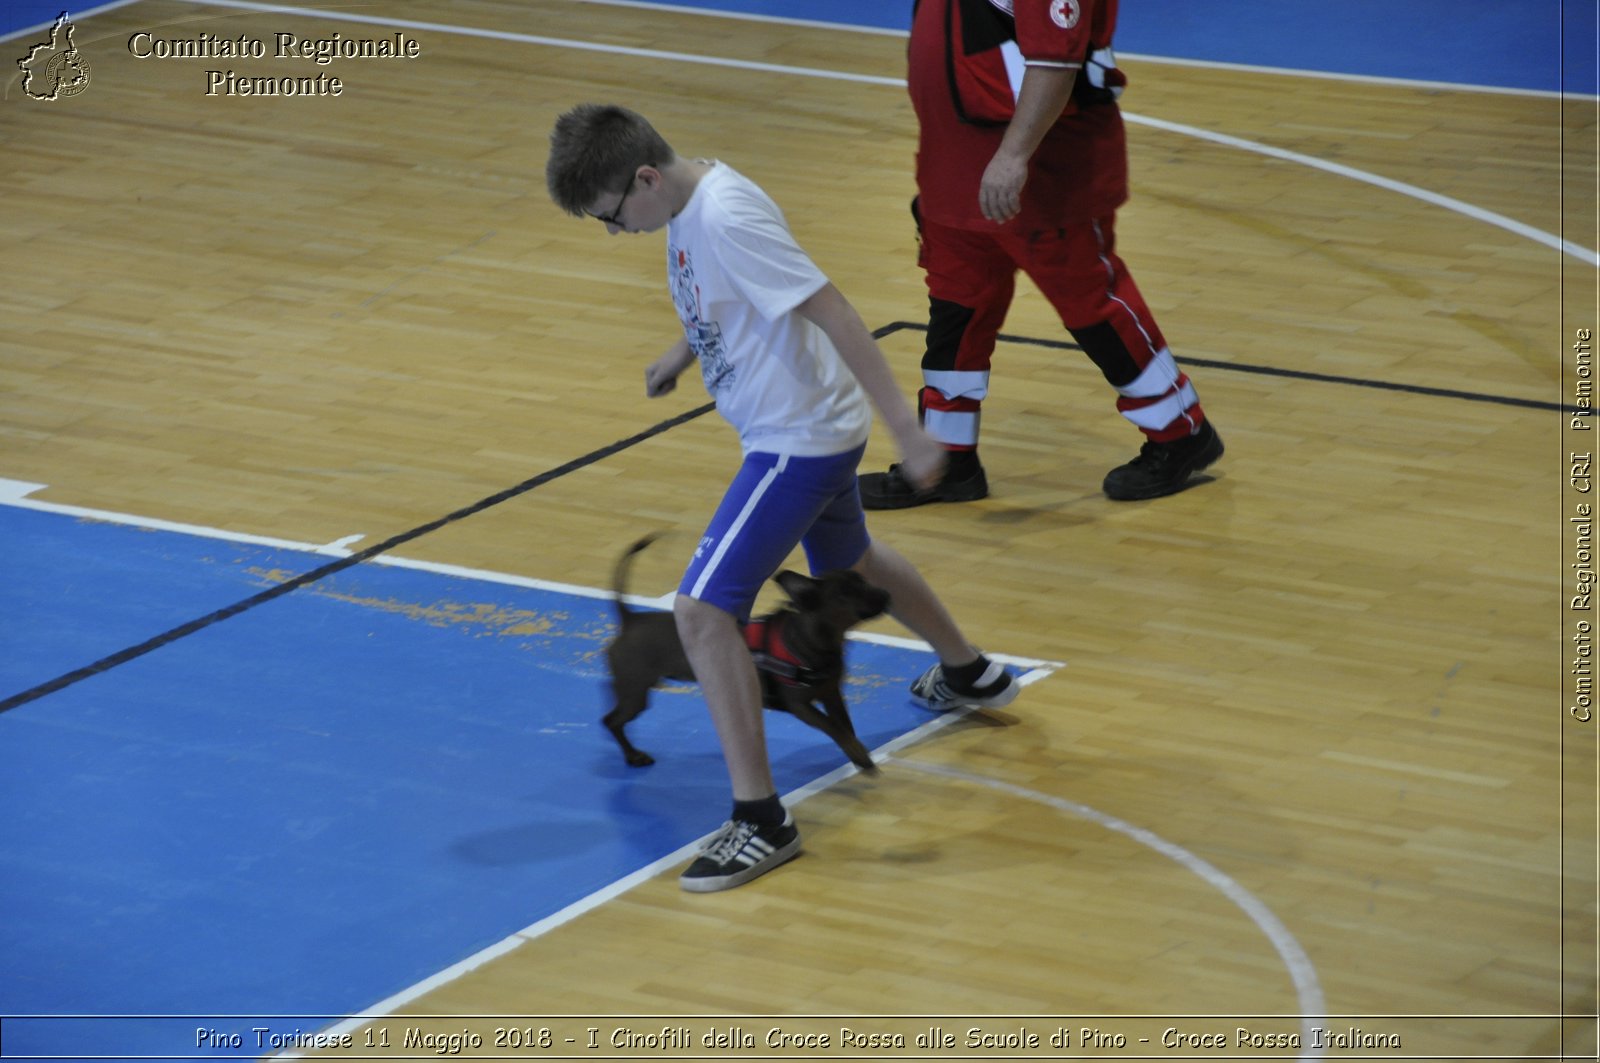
{"x":832,"y":699}
{"x":798,"y":704}
{"x":630,"y":703}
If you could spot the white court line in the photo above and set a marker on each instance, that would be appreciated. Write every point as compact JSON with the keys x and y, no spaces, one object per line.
{"x":1583,"y":254}
{"x":552,"y":42}
{"x":73,"y":17}
{"x":1308,"y":990}
{"x":16,"y":493}
{"x":1359,"y":79}
{"x":1312,"y":1005}
{"x":1166,"y":60}
{"x":1294,"y":957}
{"x":845,"y":27}
{"x":1301,"y":971}
{"x":747,"y":16}
{"x":622,"y":885}
{"x":1511,"y":225}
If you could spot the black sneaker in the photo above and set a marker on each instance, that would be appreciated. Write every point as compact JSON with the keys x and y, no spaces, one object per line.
{"x":934,"y":691}
{"x":741,"y":851}
{"x":891,"y":490}
{"x":1164,"y":468}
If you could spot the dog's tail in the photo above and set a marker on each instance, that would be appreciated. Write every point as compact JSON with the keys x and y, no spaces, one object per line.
{"x":619,"y":576}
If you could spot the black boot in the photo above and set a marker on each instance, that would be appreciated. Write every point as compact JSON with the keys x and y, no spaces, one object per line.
{"x":963,"y":481}
{"x":1164,"y":468}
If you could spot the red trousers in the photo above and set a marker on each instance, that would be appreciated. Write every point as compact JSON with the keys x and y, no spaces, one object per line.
{"x":971,"y":280}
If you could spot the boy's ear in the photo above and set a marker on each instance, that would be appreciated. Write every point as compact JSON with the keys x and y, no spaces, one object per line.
{"x":802,"y":590}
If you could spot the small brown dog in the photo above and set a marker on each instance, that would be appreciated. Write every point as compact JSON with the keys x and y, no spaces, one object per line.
{"x":799,"y":653}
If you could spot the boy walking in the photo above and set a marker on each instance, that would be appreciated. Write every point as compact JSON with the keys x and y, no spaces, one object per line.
{"x":791,"y":366}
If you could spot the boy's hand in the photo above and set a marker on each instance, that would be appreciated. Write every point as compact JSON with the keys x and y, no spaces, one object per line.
{"x":661,"y":375}
{"x":659,"y":380}
{"x":922,"y":458}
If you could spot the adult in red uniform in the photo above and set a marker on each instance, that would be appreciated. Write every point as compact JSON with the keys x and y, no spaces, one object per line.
{"x":1022,"y":164}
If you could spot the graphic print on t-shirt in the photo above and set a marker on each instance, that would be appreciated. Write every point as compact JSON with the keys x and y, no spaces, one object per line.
{"x":705,"y":337}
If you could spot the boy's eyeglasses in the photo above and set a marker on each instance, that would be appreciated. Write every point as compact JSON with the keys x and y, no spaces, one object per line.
{"x":615,"y":217}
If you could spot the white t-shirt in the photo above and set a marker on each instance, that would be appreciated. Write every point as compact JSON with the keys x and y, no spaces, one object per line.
{"x":736,"y":276}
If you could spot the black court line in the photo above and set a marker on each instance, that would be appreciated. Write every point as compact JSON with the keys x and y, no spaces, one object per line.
{"x":1296,"y":374}
{"x":121,"y":657}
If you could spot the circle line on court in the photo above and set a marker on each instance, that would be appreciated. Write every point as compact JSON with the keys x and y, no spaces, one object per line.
{"x":1307,"y":987}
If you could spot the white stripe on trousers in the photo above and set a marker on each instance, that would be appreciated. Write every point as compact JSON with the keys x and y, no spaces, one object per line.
{"x":1157,"y":378}
{"x":1158,"y":415}
{"x":952,"y":429}
{"x":958,"y":383}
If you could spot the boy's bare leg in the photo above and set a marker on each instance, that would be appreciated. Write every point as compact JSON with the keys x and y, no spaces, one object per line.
{"x":913,"y":603}
{"x":760,"y":834}
{"x":963,"y":678}
{"x":728,"y":681}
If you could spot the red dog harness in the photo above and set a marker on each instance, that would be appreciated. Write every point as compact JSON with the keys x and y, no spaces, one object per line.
{"x":773,"y":654}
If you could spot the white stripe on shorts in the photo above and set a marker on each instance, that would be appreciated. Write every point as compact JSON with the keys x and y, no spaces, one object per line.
{"x":738,"y":523}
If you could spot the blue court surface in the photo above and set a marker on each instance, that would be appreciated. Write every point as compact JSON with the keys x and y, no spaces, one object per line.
{"x":305,"y":808}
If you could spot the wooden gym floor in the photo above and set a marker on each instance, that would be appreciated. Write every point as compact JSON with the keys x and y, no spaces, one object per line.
{"x":1310,"y":761}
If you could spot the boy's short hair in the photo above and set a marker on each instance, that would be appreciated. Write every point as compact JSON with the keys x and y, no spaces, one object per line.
{"x":595,"y":150}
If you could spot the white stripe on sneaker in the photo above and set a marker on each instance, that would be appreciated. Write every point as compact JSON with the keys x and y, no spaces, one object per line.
{"x":990,"y":676}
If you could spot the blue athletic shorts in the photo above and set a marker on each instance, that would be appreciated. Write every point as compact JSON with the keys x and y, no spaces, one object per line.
{"x":775,"y":502}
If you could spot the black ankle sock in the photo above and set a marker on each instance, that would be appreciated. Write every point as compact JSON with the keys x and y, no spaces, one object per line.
{"x":966,"y":676}
{"x":767,"y":812}
{"x":962,"y":462}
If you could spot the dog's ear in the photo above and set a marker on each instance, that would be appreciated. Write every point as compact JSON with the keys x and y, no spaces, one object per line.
{"x":803,"y":591}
